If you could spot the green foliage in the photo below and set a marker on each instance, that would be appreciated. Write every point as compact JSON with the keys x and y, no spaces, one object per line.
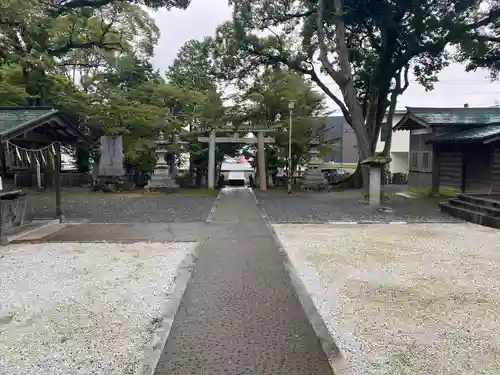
{"x":480,"y":45}
{"x":192,"y":71}
{"x":90,"y":61}
{"x":12,"y":90}
{"x":366,"y":47}
{"x":192,"y":67}
{"x":265,"y":102}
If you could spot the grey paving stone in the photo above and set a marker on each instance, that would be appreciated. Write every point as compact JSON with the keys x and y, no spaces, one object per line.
{"x":240,"y":313}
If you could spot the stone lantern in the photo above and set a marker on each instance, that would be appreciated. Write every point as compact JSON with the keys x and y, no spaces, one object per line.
{"x":162,"y":180}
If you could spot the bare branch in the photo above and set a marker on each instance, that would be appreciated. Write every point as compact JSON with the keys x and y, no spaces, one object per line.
{"x":76,"y":4}
{"x":323,"y":51}
{"x":99,"y":43}
{"x":398,"y":90}
{"x":322,"y":86}
{"x":79,"y":64}
{"x":492,"y":16}
{"x":294,"y":65}
{"x":406,"y":79}
{"x":71,"y":45}
{"x":286,"y":17}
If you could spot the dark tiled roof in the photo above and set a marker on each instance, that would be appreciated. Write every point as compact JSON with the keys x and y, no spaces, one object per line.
{"x":471,"y":135}
{"x":12,"y":118}
{"x":459,"y":115}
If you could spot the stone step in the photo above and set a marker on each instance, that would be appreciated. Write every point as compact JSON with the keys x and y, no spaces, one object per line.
{"x":480,"y":200}
{"x":470,"y":215}
{"x":473,"y":206}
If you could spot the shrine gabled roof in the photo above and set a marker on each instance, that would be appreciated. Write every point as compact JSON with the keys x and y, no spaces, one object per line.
{"x":16,"y":121}
{"x":417,"y":117}
{"x":484,"y":134}
{"x":12,"y":118}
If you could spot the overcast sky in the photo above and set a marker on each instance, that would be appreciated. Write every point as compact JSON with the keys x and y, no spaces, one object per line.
{"x":455,"y":88}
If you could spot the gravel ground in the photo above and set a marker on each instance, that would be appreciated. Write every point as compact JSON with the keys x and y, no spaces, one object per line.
{"x":120,"y":208}
{"x":404,"y":299}
{"x":82,"y":308}
{"x":345,"y":206}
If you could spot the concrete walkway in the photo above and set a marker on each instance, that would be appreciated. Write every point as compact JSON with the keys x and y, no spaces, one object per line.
{"x":240,"y":313}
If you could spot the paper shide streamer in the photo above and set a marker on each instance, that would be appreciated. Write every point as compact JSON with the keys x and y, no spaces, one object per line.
{"x":36,"y":155}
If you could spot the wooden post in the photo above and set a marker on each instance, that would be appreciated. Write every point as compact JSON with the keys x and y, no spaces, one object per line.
{"x":3,"y":240}
{"x":38,"y":175}
{"x":57,"y":181}
{"x":4,"y":160}
{"x":435,"y":171}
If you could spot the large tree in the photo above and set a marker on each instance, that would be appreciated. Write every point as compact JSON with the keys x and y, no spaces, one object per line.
{"x":64,"y":6}
{"x":41,"y":36}
{"x":365,"y":47}
{"x":480,"y":47}
{"x":192,"y":72}
{"x":89,"y":59}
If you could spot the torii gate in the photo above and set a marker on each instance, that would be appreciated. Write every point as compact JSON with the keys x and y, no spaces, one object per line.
{"x":212,"y":141}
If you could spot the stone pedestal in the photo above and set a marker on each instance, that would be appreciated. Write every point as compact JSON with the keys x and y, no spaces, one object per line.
{"x":313,"y":178}
{"x":375,"y":186}
{"x":161,"y":180}
{"x":376,"y":163}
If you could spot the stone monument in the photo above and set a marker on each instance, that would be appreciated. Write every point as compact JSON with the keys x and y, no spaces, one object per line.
{"x":110,"y":173}
{"x":376,"y":163}
{"x":313,"y":178}
{"x":111,"y":160}
{"x":162,"y":180}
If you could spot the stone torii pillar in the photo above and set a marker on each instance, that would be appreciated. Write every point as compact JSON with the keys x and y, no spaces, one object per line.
{"x":261,"y":154}
{"x":211,"y":160}
{"x":212,"y":141}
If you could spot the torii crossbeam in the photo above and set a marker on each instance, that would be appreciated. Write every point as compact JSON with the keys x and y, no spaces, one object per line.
{"x":212,"y":141}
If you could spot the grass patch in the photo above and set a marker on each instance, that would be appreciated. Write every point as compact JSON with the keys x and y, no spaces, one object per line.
{"x":338,"y":165}
{"x":191,"y":192}
{"x":425,"y":195}
{"x":444,"y":192}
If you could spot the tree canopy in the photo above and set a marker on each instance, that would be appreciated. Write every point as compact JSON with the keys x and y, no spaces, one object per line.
{"x":367,"y":48}
{"x":265,"y":103}
{"x":91,"y":60}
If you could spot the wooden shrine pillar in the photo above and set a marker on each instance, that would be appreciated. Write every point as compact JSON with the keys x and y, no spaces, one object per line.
{"x":435,"y":171}
{"x":57,"y":182}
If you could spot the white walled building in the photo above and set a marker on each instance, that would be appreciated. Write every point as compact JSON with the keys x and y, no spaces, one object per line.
{"x":239,"y":165}
{"x":400,"y":146}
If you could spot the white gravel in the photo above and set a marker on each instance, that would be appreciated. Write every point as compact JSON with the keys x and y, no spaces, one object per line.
{"x":404,"y":299}
{"x":82,"y":308}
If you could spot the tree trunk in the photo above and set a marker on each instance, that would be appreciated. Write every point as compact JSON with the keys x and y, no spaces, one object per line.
{"x":343,"y":78}
{"x":364,"y":151}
